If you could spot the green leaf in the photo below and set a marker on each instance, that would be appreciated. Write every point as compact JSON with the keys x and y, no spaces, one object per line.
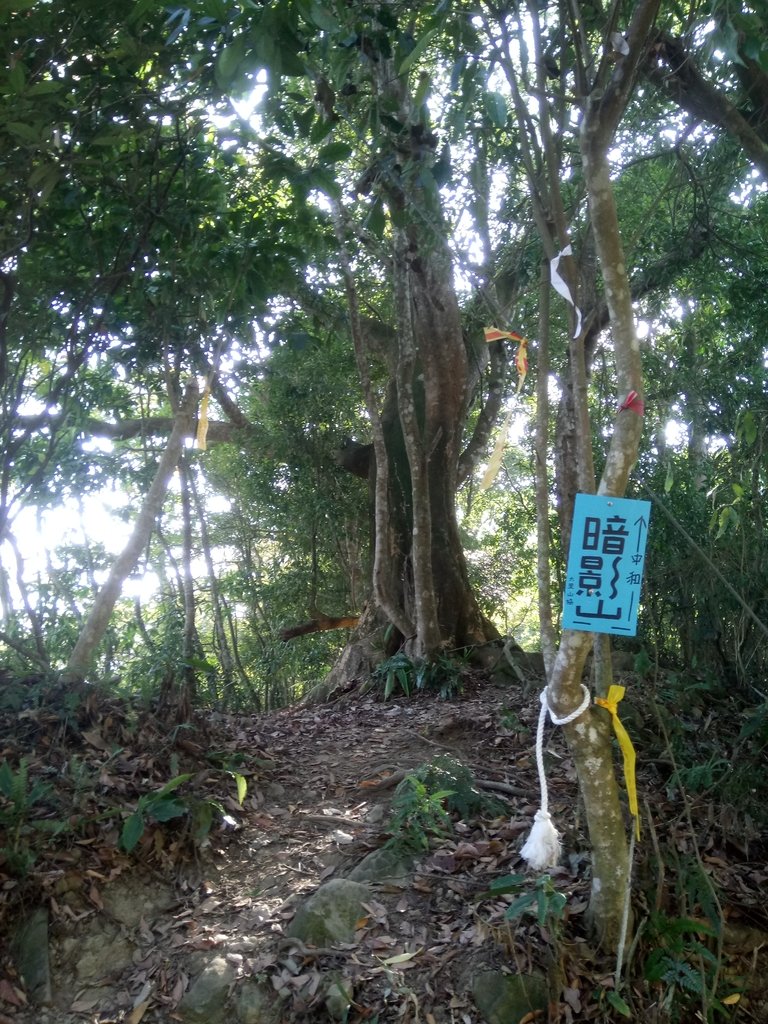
{"x":507,"y":884}
{"x":169,"y":787}
{"x":303,"y":119}
{"x":180,"y":16}
{"x":557,"y":901}
{"x":17,"y":77}
{"x":747,"y":428}
{"x":111,"y":138}
{"x":25,"y":132}
{"x":202,"y":819}
{"x":422,"y":90}
{"x":228,"y":62}
{"x":376,"y":220}
{"x":757,"y":722}
{"x":496,"y":108}
{"x":242,"y":787}
{"x":45,"y":88}
{"x":319,"y":178}
{"x":402,"y":678}
{"x":618,"y":1003}
{"x":320,"y":129}
{"x":728,"y":518}
{"x":519,"y":906}
{"x":133,"y":830}
{"x":322,"y":18}
{"x":334,"y":152}
{"x":726,"y":38}
{"x":542,"y":906}
{"x":6,"y":780}
{"x":166,"y":810}
{"x":44,"y":179}
{"x":669,"y":479}
{"x":201,"y":665}
{"x":418,"y":50}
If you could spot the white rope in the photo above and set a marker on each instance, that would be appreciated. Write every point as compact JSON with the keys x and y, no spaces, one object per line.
{"x":625,"y":914}
{"x":542,"y":848}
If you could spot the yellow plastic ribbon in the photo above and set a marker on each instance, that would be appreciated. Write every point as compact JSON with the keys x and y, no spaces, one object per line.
{"x":494,"y":464}
{"x":610,"y":703}
{"x":202,"y":421}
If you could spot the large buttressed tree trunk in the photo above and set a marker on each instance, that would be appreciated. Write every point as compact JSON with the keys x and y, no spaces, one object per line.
{"x":432,"y":385}
{"x":420,"y":581}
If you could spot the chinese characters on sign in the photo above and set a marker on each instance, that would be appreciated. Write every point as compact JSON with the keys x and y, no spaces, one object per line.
{"x":605,"y":564}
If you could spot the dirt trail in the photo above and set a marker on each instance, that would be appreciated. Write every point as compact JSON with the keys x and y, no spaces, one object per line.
{"x":127,"y":940}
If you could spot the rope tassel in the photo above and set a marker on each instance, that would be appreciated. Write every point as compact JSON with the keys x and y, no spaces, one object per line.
{"x":542,"y":847}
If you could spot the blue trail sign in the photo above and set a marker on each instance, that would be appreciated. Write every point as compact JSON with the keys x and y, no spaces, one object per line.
{"x":605,"y":564}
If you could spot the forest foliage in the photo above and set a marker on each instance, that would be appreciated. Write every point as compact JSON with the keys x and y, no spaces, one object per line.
{"x":167,"y":187}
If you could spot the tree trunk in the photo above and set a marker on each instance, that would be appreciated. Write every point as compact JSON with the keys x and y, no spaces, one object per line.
{"x":420,"y":581}
{"x":178,"y":693}
{"x":84,"y":652}
{"x":589,"y":736}
{"x":221,"y":639}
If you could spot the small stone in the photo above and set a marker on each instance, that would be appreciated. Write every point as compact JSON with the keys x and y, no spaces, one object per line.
{"x":338,"y":998}
{"x":206,"y":1000}
{"x":254,"y":1005}
{"x":30,"y":947}
{"x":509,"y":998}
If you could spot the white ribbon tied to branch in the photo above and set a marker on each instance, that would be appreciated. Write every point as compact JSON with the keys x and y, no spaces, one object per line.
{"x":561,"y":287}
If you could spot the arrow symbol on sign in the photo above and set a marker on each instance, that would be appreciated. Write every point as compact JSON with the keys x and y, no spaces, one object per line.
{"x":642,"y":523}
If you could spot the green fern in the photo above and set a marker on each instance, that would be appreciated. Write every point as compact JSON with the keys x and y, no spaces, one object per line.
{"x":401,"y":674}
{"x":684,"y":967}
{"x":465,"y":799}
{"x":15,"y":812}
{"x":426,"y":797}
{"x":682,"y":975}
{"x":417,"y":815}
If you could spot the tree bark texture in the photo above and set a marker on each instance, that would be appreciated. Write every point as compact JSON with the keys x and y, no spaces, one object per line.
{"x":420,"y":580}
{"x":589,"y":736}
{"x":84,"y":652}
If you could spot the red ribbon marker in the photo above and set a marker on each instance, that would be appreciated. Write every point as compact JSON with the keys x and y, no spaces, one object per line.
{"x":633,"y":402}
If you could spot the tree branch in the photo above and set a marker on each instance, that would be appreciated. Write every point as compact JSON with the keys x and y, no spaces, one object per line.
{"x":489,"y":413}
{"x":672,"y":69}
{"x":319,"y":623}
{"x":219,"y":432}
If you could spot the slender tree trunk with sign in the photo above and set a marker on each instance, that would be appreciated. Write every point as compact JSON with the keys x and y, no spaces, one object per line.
{"x":589,"y":736}
{"x":603,"y":81}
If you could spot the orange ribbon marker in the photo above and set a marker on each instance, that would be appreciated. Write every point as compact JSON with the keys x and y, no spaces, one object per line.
{"x":202,"y":421}
{"x":521,"y":363}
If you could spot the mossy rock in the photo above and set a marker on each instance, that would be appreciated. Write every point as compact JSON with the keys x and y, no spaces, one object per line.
{"x":387,"y":864}
{"x":509,"y":998}
{"x":330,"y":914}
{"x":205,"y":1002}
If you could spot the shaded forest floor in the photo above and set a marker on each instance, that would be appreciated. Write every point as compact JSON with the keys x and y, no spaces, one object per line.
{"x":128,"y":933}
